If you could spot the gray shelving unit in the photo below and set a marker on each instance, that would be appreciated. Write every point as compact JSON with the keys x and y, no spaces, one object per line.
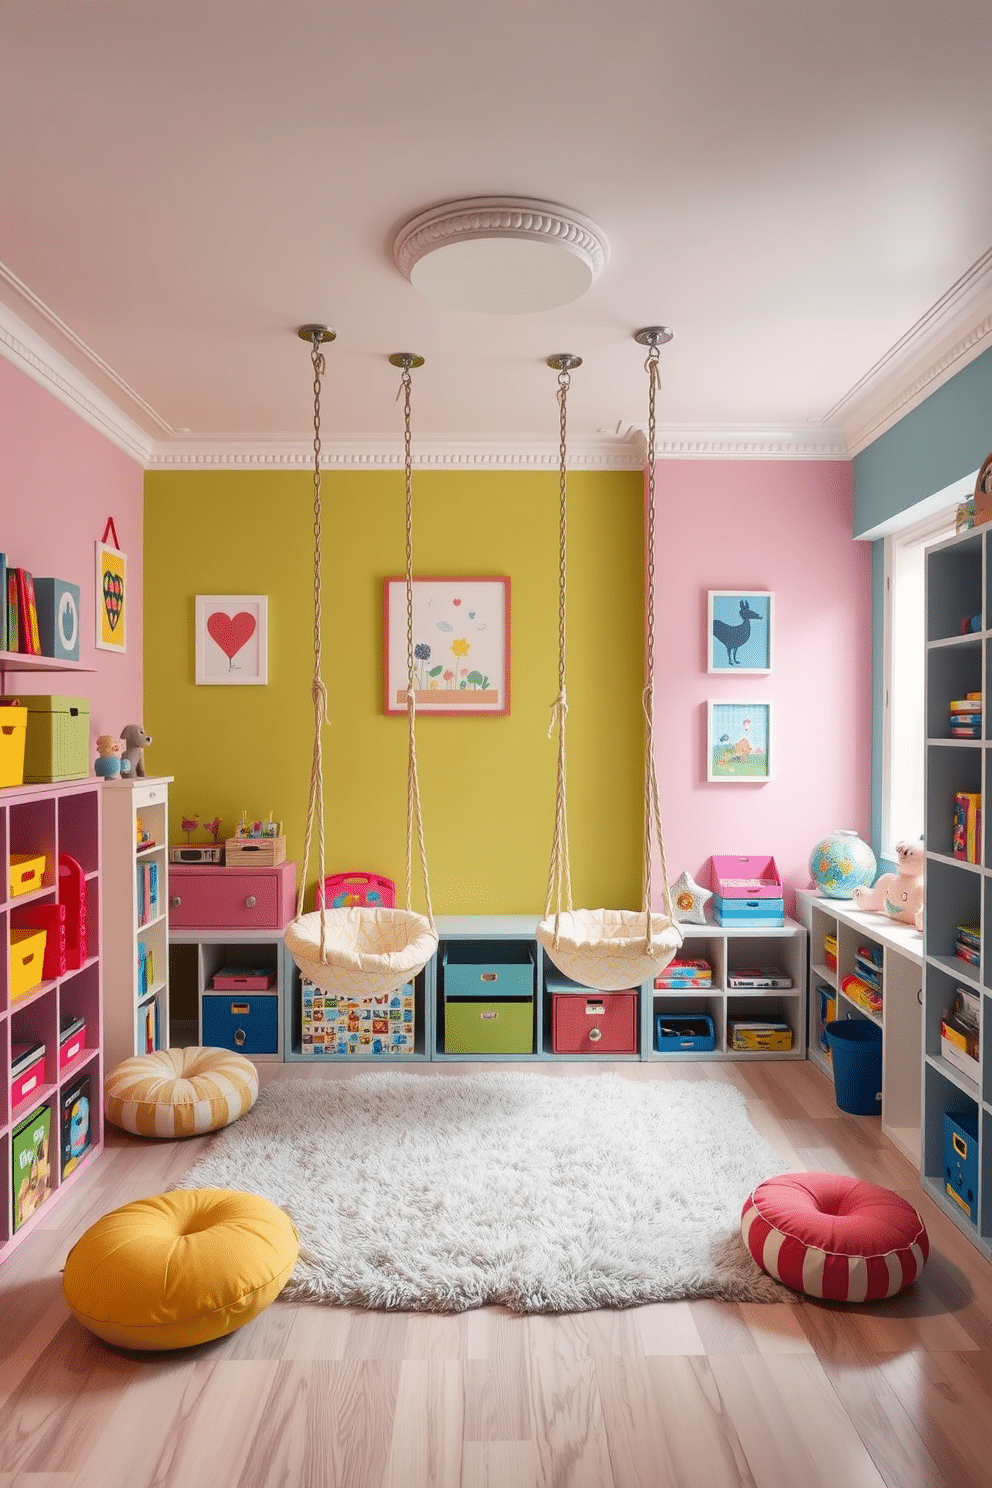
{"x":958,"y":574}
{"x":726,"y":948}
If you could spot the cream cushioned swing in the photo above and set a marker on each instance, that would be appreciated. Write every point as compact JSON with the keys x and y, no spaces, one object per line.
{"x":355,"y":951}
{"x":608,"y":949}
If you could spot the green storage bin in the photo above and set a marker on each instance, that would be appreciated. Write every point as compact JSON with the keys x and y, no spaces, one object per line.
{"x":57,"y":745}
{"x":473,"y":1026}
{"x":491,"y":969}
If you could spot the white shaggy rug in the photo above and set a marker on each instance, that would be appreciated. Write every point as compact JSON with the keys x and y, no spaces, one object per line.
{"x":542,"y":1193}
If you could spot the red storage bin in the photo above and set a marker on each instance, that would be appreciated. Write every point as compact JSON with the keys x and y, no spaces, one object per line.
{"x":588,"y":1022}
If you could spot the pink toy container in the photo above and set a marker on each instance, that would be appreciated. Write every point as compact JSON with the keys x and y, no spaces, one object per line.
{"x":366,"y":889}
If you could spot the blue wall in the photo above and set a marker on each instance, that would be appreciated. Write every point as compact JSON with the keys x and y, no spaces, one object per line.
{"x":942,"y":440}
{"x":947,"y":436}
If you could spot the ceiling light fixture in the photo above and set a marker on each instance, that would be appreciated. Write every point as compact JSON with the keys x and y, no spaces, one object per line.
{"x":501,"y":255}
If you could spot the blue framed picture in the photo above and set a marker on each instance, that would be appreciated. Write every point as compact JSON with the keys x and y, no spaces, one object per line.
{"x":739,"y":630}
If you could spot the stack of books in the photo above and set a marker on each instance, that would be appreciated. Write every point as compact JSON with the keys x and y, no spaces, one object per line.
{"x":685,"y":974}
{"x":968,"y":944}
{"x":966,"y":716}
{"x":967,"y":839}
{"x":959,"y":1033}
{"x":830,"y":951}
{"x":863,"y":993}
{"x":753,"y":977}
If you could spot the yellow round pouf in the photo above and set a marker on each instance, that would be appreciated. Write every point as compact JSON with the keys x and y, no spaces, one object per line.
{"x":180,"y":1092}
{"x":179,"y":1269}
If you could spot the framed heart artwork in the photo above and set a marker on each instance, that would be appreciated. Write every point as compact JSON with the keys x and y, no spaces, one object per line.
{"x":231,"y":640}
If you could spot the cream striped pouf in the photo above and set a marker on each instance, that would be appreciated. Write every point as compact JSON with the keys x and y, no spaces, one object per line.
{"x":180,"y":1092}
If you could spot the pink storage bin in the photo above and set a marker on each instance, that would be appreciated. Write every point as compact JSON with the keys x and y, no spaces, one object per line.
{"x":72,"y":1042}
{"x":367,"y":889}
{"x":24,"y":1082}
{"x":745,"y":878}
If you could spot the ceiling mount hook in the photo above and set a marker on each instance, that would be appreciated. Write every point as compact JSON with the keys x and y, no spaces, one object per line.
{"x":406,"y":360}
{"x":564,"y":361}
{"x":654,"y":335}
{"x":317,"y":334}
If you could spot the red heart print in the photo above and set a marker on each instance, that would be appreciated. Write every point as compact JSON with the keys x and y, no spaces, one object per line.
{"x":231,"y":632}
{"x":456,"y":601}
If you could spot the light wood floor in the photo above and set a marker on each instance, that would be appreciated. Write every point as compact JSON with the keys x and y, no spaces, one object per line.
{"x":689,"y":1394}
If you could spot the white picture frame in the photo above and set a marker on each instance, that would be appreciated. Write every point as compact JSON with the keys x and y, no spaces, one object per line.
{"x":739,"y":631}
{"x":739,"y":746}
{"x":231,"y":640}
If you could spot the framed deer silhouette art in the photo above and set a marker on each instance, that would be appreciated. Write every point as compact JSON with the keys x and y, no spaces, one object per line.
{"x":739,"y":630}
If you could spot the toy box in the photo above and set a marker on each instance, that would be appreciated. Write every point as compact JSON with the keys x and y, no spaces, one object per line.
{"x":684,"y":1031}
{"x":584,"y":1021}
{"x":27,"y":1070}
{"x":362,"y":1028}
{"x":759,"y":911}
{"x":254,"y":852}
{"x":961,"y":1160}
{"x":57,"y":745}
{"x":745,"y":878}
{"x":369,"y":890}
{"x":13,"y":736}
{"x":32,"y":1169}
{"x":691,"y":973}
{"x":241,"y":979}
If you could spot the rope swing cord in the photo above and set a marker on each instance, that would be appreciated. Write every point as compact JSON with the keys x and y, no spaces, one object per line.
{"x":318,"y":691}
{"x":559,"y":899}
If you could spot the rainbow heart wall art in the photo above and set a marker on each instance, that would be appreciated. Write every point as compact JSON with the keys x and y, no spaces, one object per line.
{"x":111,"y":598}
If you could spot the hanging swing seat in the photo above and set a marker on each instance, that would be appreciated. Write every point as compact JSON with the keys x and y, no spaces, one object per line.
{"x":609,"y":949}
{"x":366,"y":952}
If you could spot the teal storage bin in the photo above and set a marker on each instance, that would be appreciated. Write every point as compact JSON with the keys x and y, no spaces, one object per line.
{"x":492,"y":969}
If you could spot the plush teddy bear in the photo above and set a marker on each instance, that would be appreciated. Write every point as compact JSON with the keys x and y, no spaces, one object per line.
{"x":899,"y":894}
{"x":108,"y":763}
{"x":135,"y":741}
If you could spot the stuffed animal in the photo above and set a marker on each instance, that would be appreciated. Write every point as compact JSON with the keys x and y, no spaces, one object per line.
{"x":899,"y":894}
{"x":135,"y":741}
{"x":108,"y":763}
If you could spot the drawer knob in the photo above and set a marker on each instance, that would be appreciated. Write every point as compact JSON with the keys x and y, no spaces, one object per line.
{"x":250,"y":902}
{"x":175,"y":901}
{"x":595,"y":1034}
{"x":239,"y":1036}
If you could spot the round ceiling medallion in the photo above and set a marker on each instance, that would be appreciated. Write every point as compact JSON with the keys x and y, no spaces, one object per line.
{"x":501,"y":255}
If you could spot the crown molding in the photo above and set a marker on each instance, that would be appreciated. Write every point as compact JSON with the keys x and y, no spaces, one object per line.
{"x":952,"y":333}
{"x":34,"y":356}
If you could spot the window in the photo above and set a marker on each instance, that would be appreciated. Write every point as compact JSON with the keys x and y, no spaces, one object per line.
{"x":905,"y":638}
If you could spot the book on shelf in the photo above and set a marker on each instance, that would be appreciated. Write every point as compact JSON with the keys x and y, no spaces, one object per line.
{"x":967,"y":826}
{"x":29,"y":632}
{"x":759,"y":976}
{"x":3,"y":602}
{"x":13,"y":626}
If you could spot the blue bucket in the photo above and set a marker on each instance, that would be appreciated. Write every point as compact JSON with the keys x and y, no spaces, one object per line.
{"x":856,"y":1055}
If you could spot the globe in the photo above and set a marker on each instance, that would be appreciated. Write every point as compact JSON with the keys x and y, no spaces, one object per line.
{"x":842,"y":863}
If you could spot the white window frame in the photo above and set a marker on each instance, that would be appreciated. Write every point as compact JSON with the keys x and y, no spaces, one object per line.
{"x":905,"y":546}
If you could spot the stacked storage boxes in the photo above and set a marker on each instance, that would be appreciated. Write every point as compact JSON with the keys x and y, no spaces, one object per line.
{"x":367,"y":1027}
{"x":747,"y":891}
{"x":488,"y":997}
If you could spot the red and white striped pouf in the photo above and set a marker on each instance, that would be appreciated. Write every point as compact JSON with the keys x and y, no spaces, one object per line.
{"x":834,"y":1237}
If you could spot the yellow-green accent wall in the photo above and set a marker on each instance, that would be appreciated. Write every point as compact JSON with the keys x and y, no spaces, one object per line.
{"x":487,"y":783}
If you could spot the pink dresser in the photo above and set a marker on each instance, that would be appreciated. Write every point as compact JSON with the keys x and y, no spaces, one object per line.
{"x":211,"y":898}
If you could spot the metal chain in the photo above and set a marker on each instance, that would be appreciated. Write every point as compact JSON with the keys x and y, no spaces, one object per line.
{"x":564,"y":383}
{"x":652,"y":806}
{"x":559,"y":875}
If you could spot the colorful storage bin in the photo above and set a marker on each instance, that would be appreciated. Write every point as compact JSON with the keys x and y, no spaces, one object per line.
{"x":57,"y":746}
{"x":248,"y":1025}
{"x":27,"y":870}
{"x":747,"y":877}
{"x":494,"y":969}
{"x":72,"y":1040}
{"x":475,"y":1026}
{"x":961,"y":1160}
{"x":588,"y":1022}
{"x":13,"y":736}
{"x":758,"y":911}
{"x":27,"y":1071}
{"x":27,"y":959}
{"x":363,"y":1028}
{"x":693,"y":1032}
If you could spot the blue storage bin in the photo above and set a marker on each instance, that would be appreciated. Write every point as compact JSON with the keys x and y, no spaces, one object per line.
{"x":856,"y":1056}
{"x":961,"y":1160}
{"x":692,"y":1031}
{"x":770,"y":912}
{"x":248,"y":1025}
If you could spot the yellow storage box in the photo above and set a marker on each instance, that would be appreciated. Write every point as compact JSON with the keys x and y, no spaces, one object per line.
{"x":13,"y":734}
{"x":57,"y":741}
{"x":26,"y":872}
{"x":27,"y":957}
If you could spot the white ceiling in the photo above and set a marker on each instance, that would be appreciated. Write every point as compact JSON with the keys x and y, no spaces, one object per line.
{"x":801,"y":191}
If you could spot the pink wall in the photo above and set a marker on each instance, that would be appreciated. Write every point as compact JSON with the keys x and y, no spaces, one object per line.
{"x":60,"y":481}
{"x":783,"y":526}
